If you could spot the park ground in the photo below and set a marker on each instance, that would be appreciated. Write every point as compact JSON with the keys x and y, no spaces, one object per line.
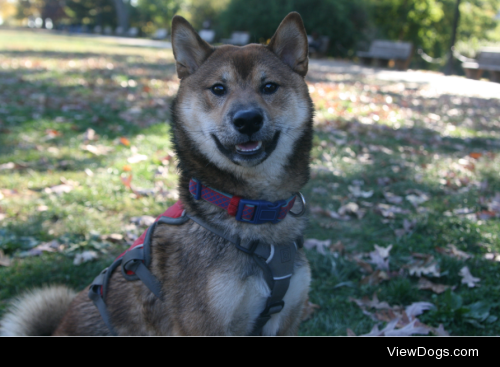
{"x":404,"y":198}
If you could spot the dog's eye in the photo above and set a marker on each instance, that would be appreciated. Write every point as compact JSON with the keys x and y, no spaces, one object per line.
{"x":269,"y":88}
{"x":219,"y":90}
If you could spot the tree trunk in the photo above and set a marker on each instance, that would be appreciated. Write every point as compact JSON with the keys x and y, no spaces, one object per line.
{"x":122,"y":13}
{"x":449,"y":65}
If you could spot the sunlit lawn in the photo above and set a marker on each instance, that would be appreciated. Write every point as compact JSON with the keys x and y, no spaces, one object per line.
{"x":81,"y":120}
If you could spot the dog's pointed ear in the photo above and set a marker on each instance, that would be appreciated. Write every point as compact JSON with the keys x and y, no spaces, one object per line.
{"x":290,"y":44}
{"x":190,"y":51}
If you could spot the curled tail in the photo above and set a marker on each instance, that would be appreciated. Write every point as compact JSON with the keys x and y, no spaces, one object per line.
{"x":37,"y":312}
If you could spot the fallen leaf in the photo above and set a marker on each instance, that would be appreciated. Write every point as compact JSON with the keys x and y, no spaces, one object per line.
{"x":375,"y":278}
{"x":380,"y":257}
{"x":125,"y":141}
{"x":393,"y":199}
{"x":492,"y":257}
{"x":476,"y":155}
{"x":97,"y":149}
{"x":416,"y":200}
{"x":89,"y":135}
{"x":52,"y":246}
{"x":424,"y":267}
{"x":4,"y":260}
{"x":410,"y":329}
{"x":467,"y":277}
{"x":308,"y":310}
{"x":144,"y":220}
{"x":337,"y":247}
{"x":84,"y":257}
{"x":114,"y":237}
{"x":424,"y":283}
{"x":370,"y":303}
{"x":9,"y":165}
{"x":320,"y":246}
{"x":417,"y":308}
{"x":137,"y":158}
{"x":357,"y":192}
{"x":59,"y":189}
{"x":351,"y":209}
{"x":440,"y":331}
{"x":367,"y":268}
{"x":383,"y":181}
{"x":452,"y":251}
{"x":389,"y":211}
{"x":127,"y":181}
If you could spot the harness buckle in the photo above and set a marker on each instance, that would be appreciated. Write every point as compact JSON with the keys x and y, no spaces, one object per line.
{"x":264,"y":211}
{"x":274,"y":308}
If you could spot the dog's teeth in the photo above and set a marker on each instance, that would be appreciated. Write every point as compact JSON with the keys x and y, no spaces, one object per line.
{"x":249,"y":147}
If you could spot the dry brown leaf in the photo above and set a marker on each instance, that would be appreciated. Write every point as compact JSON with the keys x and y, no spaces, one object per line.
{"x":425,"y":283}
{"x":350,"y":332}
{"x":393,"y":199}
{"x":337,"y":247}
{"x":367,"y":268}
{"x":114,"y":237}
{"x":308,"y":310}
{"x":475,"y":155}
{"x":375,"y":278}
{"x":127,"y":181}
{"x":452,"y":251}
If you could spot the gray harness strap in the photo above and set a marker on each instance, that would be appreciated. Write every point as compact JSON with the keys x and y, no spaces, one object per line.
{"x":136,"y":260}
{"x":276,"y":263}
{"x":277,"y":266}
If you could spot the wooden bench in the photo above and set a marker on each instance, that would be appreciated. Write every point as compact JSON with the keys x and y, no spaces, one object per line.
{"x":237,"y":38}
{"x":207,"y":35}
{"x":318,"y":47}
{"x":383,"y":51}
{"x":487,"y":59}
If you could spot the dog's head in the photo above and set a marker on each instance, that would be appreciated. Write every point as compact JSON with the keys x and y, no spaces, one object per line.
{"x":244,"y":109}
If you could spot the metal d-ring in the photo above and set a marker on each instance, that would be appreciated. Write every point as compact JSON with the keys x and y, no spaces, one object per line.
{"x":301,"y":213}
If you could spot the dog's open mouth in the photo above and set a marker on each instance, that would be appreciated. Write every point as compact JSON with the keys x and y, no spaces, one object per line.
{"x":252,"y":152}
{"x":249,"y":148}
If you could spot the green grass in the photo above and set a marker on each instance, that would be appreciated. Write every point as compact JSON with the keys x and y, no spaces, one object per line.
{"x":67,"y":85}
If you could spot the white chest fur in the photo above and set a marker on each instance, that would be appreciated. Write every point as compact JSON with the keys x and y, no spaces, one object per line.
{"x":237,"y":303}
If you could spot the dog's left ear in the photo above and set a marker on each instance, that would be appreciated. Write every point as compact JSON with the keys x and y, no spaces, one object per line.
{"x":290,"y":44}
{"x":190,"y":51}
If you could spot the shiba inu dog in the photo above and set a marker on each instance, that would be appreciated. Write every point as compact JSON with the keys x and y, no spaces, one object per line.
{"x":229,"y":262}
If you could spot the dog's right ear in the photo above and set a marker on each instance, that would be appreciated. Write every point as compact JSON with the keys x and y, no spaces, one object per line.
{"x":190,"y":51}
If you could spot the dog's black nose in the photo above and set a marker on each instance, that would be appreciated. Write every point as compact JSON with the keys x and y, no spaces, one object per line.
{"x":248,"y":121}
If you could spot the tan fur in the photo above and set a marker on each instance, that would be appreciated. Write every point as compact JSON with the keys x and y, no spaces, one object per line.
{"x":209,"y":287}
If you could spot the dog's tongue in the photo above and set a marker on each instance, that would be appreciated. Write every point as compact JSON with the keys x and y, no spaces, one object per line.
{"x":248,"y":146}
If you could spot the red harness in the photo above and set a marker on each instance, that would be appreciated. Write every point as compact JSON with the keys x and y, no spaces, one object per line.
{"x":175,"y":211}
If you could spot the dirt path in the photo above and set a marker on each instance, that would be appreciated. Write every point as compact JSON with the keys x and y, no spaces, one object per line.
{"x":434,"y":83}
